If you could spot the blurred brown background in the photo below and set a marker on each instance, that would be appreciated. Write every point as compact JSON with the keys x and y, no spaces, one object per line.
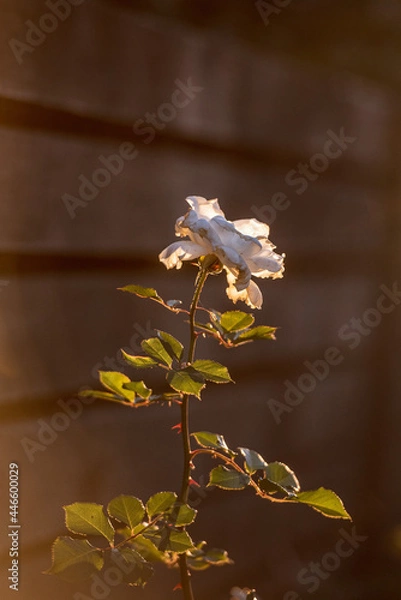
{"x":271,"y":80}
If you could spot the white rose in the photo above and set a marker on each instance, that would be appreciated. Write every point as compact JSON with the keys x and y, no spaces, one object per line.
{"x":242,"y":247}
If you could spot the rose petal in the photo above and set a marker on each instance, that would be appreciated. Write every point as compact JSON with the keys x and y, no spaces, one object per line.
{"x":230,"y":236}
{"x":173,"y":255}
{"x":251,"y":295}
{"x":255,"y":296}
{"x":252,"y":227}
{"x":235,"y":264}
{"x":267,"y":264}
{"x":199,"y":231}
{"x":205,"y":208}
{"x":242,"y":247}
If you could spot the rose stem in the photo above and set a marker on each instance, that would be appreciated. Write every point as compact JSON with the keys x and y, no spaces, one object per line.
{"x":185,"y":577}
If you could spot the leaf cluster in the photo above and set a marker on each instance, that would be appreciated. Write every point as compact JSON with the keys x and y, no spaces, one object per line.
{"x":130,"y":535}
{"x":165,"y":352}
{"x":235,"y":328}
{"x":274,"y":481}
{"x":133,"y":536}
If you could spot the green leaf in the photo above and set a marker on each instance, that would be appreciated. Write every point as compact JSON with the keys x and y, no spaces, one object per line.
{"x":146,"y":292}
{"x":87,"y":518}
{"x":147,"y":549}
{"x":187,"y":381}
{"x":139,"y":388}
{"x":160,"y":503}
{"x":235,"y":320}
{"x":179,"y":541}
{"x":325,"y":502}
{"x":74,"y":559}
{"x":142,"y":292}
{"x":271,"y":488}
{"x":253,"y":460}
{"x":218,"y":557}
{"x":140,"y":362}
{"x":100,"y":395}
{"x":135,"y":570}
{"x":198,"y":563}
{"x":262,"y":332}
{"x":199,"y":560}
{"x":280,"y":474}
{"x":157,"y":350}
{"x":173,"y":345}
{"x":182,"y":515}
{"x":206,"y":439}
{"x":127,"y":509}
{"x":212,"y":371}
{"x":228,"y":479}
{"x":114,"y":381}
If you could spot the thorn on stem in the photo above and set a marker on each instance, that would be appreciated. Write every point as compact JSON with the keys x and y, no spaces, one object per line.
{"x":177,"y":587}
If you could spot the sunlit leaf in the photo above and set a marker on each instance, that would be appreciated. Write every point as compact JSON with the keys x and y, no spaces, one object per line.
{"x":173,"y":345}
{"x":217,"y":557}
{"x":151,"y":293}
{"x":147,"y":549}
{"x":235,"y":320}
{"x":114,"y":381}
{"x":158,"y":351}
{"x":186,"y":381}
{"x":253,"y":460}
{"x":100,"y":395}
{"x":127,"y":509}
{"x":182,"y":515}
{"x":324,"y":501}
{"x":262,"y":332}
{"x":75,"y":559}
{"x":160,"y":503}
{"x":179,"y":541}
{"x":87,"y":518}
{"x":228,"y":479}
{"x":199,"y":558}
{"x":212,"y":371}
{"x":139,"y":388}
{"x":280,"y":474}
{"x":206,"y":439}
{"x":134,"y":569}
{"x":140,"y":362}
{"x":142,"y":292}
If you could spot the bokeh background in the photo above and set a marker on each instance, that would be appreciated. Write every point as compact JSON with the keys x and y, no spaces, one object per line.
{"x":272,"y":81}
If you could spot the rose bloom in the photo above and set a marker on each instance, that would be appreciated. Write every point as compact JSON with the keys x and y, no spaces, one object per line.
{"x":241,"y":246}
